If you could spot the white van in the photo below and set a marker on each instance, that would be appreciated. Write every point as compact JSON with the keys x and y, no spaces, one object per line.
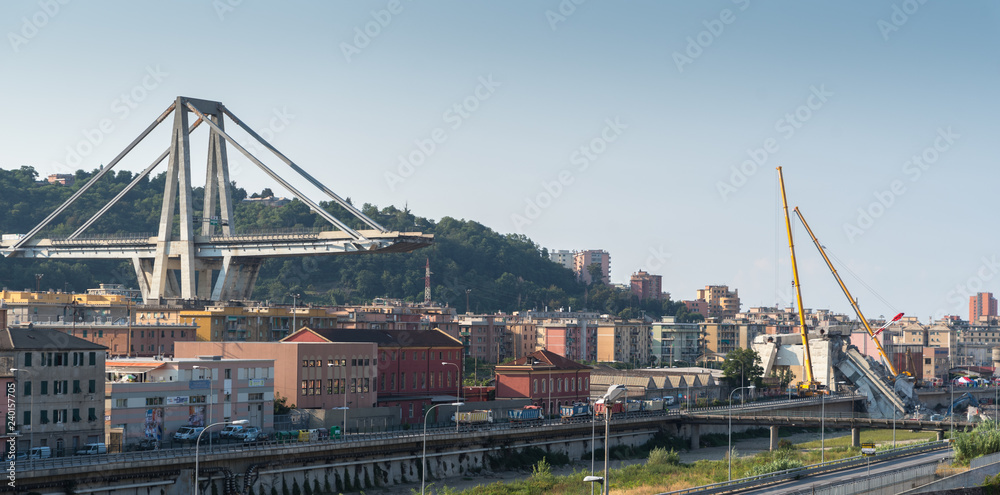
{"x":93,"y":449}
{"x":40,"y":453}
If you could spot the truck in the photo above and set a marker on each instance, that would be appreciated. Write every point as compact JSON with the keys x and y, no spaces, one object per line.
{"x":653,"y":405}
{"x":472,"y":417}
{"x":615,"y":408}
{"x":528,"y":413}
{"x":577,"y":410}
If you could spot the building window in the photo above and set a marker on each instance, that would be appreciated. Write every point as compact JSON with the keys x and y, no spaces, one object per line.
{"x":92,"y":414}
{"x":44,"y":418}
{"x":93,"y":358}
{"x":197,"y":399}
{"x":257,"y":396}
{"x":119,"y":403}
{"x":27,"y":360}
{"x":26,"y":418}
{"x":534,"y":385}
{"x":27,"y":388}
{"x":76,"y":415}
{"x":154,"y":401}
{"x":91,"y":387}
{"x":411,"y":409}
{"x":402,"y":380}
{"x":76,"y":386}
{"x":45,"y":388}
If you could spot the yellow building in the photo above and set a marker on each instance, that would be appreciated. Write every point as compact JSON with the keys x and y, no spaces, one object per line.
{"x":624,"y":341}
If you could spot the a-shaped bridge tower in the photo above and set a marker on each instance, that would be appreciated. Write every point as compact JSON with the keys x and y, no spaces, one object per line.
{"x":211,"y":265}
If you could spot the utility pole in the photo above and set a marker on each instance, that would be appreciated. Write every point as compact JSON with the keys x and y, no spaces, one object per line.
{"x":467,"y":291}
{"x":427,"y":283}
{"x":38,"y":281}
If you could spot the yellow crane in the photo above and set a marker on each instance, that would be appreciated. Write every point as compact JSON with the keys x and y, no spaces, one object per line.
{"x":847,"y":293}
{"x":810,"y":386}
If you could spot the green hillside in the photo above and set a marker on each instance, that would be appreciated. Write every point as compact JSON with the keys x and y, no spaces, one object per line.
{"x":498,"y":272}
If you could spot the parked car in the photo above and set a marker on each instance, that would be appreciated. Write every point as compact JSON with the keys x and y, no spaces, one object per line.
{"x":187,"y":433}
{"x":39,"y":453}
{"x":232,"y":431}
{"x":93,"y":449}
{"x":255,"y":434}
{"x":249,"y":430}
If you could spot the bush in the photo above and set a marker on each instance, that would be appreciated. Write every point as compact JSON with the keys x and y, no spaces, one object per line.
{"x":663,"y":457}
{"x":784,"y":444}
{"x":982,"y":440}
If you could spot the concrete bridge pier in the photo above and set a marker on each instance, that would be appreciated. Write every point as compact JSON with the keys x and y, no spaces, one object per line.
{"x":774,"y":438}
{"x":940,"y":435}
{"x":855,"y":437}
{"x":695,"y":437}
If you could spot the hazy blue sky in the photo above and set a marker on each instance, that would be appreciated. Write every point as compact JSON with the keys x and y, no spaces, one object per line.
{"x":605,"y":125}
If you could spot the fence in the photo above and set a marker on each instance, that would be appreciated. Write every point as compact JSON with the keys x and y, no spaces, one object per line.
{"x":985,"y":460}
{"x":888,"y":483}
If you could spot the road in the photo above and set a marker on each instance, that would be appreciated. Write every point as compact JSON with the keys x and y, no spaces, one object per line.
{"x":794,"y":486}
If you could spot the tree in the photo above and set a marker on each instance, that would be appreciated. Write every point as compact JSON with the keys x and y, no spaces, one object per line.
{"x":783,"y":374}
{"x":281,"y":404}
{"x":743,"y":362}
{"x":594,"y":270}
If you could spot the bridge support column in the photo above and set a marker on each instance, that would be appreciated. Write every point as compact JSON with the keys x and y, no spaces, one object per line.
{"x":940,"y":435}
{"x":695,"y":437}
{"x":855,"y":437}
{"x":774,"y":438}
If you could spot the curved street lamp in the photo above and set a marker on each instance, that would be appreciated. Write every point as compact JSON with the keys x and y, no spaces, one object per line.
{"x":730,"y":453}
{"x":458,"y":389}
{"x":423,"y":458}
{"x":197,"y":443}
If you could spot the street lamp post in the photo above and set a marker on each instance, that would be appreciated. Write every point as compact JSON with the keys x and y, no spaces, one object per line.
{"x":31,"y":412}
{"x":458,"y":389}
{"x":613,"y":393}
{"x":197,"y":444}
{"x":730,"y":453}
{"x":423,"y":458}
{"x":329,"y":364}
{"x":294,"y":314}
{"x":211,"y":398}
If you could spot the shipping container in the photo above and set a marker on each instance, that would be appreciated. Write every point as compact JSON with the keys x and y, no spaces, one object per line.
{"x":473,"y":417}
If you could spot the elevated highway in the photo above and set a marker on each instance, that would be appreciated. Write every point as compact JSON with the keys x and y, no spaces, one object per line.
{"x":391,"y":458}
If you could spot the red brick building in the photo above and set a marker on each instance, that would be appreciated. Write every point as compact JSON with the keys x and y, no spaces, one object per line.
{"x":548,"y":379}
{"x":415,"y":368}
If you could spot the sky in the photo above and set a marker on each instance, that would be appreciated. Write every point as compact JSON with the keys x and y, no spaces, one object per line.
{"x":651,"y":130}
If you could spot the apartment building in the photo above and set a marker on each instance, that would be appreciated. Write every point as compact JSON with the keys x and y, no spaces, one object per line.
{"x":646,"y":286}
{"x":673,"y":342}
{"x":56,"y":382}
{"x":624,"y":341}
{"x":582,"y":261}
{"x":151,"y":399}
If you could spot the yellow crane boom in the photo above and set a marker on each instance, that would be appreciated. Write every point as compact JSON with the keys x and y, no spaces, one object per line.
{"x":809,"y":383}
{"x":847,"y":293}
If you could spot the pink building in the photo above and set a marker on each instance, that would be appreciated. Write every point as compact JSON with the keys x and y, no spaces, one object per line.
{"x":314,"y":374}
{"x":582,"y":261}
{"x":982,"y":304}
{"x":646,"y":286}
{"x":571,"y":339}
{"x":149,"y":399}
